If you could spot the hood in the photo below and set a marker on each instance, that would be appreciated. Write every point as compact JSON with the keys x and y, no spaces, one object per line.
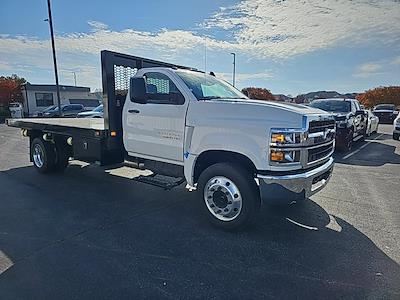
{"x":244,"y":113}
{"x":89,"y":113}
{"x":339,"y":115}
{"x":293,"y":107}
{"x":86,"y":113}
{"x":384,"y":111}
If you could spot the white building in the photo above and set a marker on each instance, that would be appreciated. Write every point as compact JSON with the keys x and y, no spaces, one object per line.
{"x":38,"y":96}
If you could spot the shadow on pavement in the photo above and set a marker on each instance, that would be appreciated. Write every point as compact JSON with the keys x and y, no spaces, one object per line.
{"x":375,"y":154}
{"x":87,"y":234}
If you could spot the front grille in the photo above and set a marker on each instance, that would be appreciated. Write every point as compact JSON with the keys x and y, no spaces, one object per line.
{"x":319,"y":153}
{"x":318,"y":126}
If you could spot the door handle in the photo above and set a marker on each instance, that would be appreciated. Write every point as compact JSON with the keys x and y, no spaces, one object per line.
{"x":133,"y":111}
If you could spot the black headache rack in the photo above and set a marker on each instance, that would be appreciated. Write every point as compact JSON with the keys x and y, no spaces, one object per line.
{"x":117,"y":69}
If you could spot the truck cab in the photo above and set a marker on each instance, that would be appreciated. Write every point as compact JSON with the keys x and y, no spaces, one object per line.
{"x":194,"y":120}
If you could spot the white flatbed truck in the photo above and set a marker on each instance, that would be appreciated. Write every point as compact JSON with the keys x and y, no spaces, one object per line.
{"x":182,"y":123}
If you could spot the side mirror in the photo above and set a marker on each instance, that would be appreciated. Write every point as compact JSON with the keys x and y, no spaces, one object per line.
{"x":137,"y":90}
{"x":360,"y":113}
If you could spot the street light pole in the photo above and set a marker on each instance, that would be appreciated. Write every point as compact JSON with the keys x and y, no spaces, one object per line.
{"x":54,"y":57}
{"x":234,"y":68}
{"x":74,"y":77}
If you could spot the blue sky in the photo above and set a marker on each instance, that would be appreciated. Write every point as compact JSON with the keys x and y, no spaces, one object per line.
{"x":289,"y":47}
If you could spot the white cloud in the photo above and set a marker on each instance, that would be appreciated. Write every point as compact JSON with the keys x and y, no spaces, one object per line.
{"x":396,"y":61}
{"x":277,"y":28}
{"x":96,"y":25}
{"x":262,"y":29}
{"x":368,"y":69}
{"x":243,"y":77}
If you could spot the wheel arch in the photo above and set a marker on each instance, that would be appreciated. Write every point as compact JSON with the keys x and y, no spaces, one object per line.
{"x":211,"y":157}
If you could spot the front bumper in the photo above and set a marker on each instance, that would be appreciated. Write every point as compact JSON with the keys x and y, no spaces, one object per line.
{"x":276,"y":189}
{"x":386,"y":117}
{"x":396,"y":128}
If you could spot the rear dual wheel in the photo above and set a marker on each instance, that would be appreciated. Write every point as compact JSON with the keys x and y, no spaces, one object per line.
{"x":48,"y":157}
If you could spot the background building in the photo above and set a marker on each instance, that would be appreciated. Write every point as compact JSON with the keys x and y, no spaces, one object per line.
{"x":36,"y":97}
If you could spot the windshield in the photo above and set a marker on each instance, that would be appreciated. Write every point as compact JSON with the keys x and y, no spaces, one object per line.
{"x":205,"y":87}
{"x":98,"y":108}
{"x":332,"y":105}
{"x":50,"y":108}
{"x":385,"y":107}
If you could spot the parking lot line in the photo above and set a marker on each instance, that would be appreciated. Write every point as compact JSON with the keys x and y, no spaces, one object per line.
{"x":360,"y":148}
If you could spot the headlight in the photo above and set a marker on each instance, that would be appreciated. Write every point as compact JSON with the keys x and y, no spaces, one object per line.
{"x":285,"y":145}
{"x":284,"y":156}
{"x":285,"y":138}
{"x":341,"y":124}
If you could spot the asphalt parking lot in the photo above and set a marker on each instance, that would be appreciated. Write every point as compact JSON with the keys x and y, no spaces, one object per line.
{"x":90,"y":234}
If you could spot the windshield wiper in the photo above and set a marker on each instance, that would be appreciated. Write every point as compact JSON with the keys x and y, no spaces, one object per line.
{"x":218,"y":97}
{"x":210,"y":98}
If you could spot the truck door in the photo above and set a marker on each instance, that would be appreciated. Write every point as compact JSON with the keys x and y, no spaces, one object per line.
{"x":156,"y":129}
{"x":359,"y":119}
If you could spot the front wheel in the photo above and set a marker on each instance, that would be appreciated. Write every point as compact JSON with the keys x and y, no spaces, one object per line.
{"x":229,"y":195}
{"x":396,"y":136}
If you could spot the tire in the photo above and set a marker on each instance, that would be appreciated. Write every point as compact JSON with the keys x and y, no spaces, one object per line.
{"x":62,"y":156}
{"x":376,"y":129}
{"x":347,"y":144}
{"x":43,"y":155}
{"x":229,"y":196}
{"x":396,"y":136}
{"x":364,"y":134}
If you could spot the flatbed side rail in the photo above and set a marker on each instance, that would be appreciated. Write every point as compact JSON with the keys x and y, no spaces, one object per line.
{"x":57,"y":128}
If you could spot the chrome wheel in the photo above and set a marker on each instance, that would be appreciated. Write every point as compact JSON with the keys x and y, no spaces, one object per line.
{"x":223,"y":198}
{"x":38,"y":156}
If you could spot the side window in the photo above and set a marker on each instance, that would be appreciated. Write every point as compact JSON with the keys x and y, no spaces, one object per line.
{"x":353,"y":107}
{"x":358,"y":107}
{"x":162,"y":90}
{"x":44,"y":99}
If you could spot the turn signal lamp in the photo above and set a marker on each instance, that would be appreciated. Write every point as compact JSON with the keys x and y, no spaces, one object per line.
{"x":277,"y":156}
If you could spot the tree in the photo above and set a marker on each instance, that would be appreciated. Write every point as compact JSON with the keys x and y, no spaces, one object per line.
{"x":258,"y":93}
{"x":390,"y":94}
{"x":10,"y":89}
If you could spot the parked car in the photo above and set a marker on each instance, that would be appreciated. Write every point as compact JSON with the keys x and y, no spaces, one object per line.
{"x":40,"y":114}
{"x":67,"y":110}
{"x":16,"y":110}
{"x":396,"y":128}
{"x":351,"y":120}
{"x":95,"y":113}
{"x":386,"y":113}
{"x":373,"y":122}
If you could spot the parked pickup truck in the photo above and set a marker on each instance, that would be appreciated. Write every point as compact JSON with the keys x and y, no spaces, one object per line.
{"x":351,"y":120}
{"x":183,"y":124}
